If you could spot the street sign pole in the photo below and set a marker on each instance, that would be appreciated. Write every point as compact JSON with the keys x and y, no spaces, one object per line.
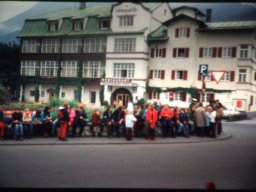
{"x":203,"y":71}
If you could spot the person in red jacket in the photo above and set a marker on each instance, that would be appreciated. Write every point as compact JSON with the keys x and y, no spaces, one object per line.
{"x":63,"y":116}
{"x":166,"y":116}
{"x":151,"y":118}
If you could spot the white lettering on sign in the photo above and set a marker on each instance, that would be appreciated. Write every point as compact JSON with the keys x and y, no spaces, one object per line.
{"x":120,"y":10}
{"x":203,"y":70}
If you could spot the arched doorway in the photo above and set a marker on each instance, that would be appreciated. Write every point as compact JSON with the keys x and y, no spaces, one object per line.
{"x":121,"y":95}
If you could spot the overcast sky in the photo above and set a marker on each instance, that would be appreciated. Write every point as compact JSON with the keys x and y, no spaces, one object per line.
{"x":9,"y":9}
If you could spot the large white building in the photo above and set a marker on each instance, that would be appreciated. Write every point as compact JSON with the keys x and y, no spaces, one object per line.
{"x":137,"y":50}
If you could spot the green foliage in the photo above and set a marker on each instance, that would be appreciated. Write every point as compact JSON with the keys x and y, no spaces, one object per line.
{"x":141,"y":102}
{"x":56,"y":102}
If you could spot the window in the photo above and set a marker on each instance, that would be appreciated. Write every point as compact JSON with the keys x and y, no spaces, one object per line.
{"x":77,"y":25}
{"x":179,"y":75}
{"x":125,"y":45}
{"x":29,"y":68}
{"x":227,"y":52}
{"x":30,"y":46}
{"x":156,"y":74}
{"x":254,"y":76}
{"x":92,"y":97}
{"x":242,"y":75}
{"x":154,"y":95}
{"x":93,"y":69}
{"x":181,"y":52}
{"x":62,"y":94}
{"x":104,"y":24}
{"x":32,"y":93}
{"x":95,"y":45}
{"x":53,"y":26}
{"x":72,"y":45}
{"x":244,"y":50}
{"x":158,"y":53}
{"x":42,"y":93}
{"x":226,"y":76}
{"x":50,"y":46}
{"x":182,"y":32}
{"x":208,"y":52}
{"x":207,"y":97}
{"x":126,"y":21}
{"x":125,"y":70}
{"x":69,"y":69}
{"x":180,"y":96}
{"x":49,"y":69}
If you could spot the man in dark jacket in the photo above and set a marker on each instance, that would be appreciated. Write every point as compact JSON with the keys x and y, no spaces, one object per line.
{"x":118,"y":121}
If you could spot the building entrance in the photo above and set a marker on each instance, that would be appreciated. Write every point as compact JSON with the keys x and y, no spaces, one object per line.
{"x":121,"y":96}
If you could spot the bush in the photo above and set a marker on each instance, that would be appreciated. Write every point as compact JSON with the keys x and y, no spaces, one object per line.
{"x":141,"y":102}
{"x":56,"y":102}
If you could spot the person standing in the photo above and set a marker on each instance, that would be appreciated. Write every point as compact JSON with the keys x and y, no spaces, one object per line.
{"x":17,"y":122}
{"x":213,"y":127}
{"x":63,"y":116}
{"x":200,"y":120}
{"x":1,"y":123}
{"x":130,"y":106}
{"x":151,"y":118}
{"x":166,"y":116}
{"x":129,"y":123}
{"x":118,"y":120}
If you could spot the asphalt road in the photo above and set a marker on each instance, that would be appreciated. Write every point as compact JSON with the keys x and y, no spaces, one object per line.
{"x":231,"y":164}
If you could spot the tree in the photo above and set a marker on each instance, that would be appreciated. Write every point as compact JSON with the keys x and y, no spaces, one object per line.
{"x":9,"y":67}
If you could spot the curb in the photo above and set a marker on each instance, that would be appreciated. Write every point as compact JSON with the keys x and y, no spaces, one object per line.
{"x":136,"y":141}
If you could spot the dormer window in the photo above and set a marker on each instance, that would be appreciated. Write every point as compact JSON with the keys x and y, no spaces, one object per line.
{"x":104,"y":24}
{"x":53,"y":26}
{"x":77,"y":25}
{"x":126,"y":21}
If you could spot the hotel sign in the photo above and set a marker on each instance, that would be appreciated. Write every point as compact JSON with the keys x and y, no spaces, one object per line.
{"x":118,"y":82}
{"x":121,"y":10}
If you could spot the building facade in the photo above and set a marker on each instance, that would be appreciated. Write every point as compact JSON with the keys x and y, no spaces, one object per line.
{"x":137,"y":50}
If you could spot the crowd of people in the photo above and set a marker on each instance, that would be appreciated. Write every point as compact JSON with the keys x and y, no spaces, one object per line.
{"x":148,"y":122}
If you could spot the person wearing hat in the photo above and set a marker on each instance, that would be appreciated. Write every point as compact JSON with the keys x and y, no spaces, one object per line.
{"x":63,"y":116}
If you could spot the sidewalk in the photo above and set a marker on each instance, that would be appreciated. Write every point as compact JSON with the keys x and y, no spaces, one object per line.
{"x":114,"y":141}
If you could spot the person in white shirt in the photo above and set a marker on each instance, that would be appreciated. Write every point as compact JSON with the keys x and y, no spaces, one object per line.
{"x":213,"y":130}
{"x":129,"y":123}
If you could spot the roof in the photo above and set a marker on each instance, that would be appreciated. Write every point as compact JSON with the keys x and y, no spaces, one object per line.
{"x":170,"y":21}
{"x":187,"y":7}
{"x":230,"y":25}
{"x":102,"y":10}
{"x":159,"y":34}
{"x":37,"y":26}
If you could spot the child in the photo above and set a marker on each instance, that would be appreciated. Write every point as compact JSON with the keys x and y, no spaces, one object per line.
{"x":129,"y":122}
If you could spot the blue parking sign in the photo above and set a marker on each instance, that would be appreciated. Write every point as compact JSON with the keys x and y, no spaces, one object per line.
{"x":203,"y":69}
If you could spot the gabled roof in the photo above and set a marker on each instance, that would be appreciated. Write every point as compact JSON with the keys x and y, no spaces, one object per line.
{"x":159,"y":34}
{"x":151,"y":6}
{"x":187,"y":7}
{"x":182,"y":16}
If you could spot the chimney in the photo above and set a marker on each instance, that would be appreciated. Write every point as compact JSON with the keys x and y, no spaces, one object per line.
{"x":82,"y":5}
{"x":208,"y":15}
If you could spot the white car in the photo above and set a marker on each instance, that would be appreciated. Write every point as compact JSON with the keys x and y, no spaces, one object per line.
{"x":229,"y":111}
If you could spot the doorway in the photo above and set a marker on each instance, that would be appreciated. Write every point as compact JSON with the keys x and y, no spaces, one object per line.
{"x":121,"y":96}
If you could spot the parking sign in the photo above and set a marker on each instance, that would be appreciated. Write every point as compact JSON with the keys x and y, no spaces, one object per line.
{"x":203,"y":69}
